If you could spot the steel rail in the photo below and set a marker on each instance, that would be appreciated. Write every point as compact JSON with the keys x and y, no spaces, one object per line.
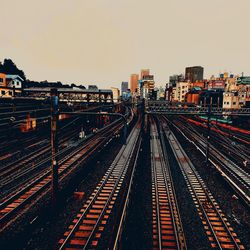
{"x":37,"y":142}
{"x":25,"y":111}
{"x":29,"y":157}
{"x":115,"y":166}
{"x":243,"y":152}
{"x":69,"y":151}
{"x":155,"y":185}
{"x":163,"y":173}
{"x":42,"y":187}
{"x":186,"y":171}
{"x":14,"y":176}
{"x":127,"y":200}
{"x":167,"y":172}
{"x":218,"y":160}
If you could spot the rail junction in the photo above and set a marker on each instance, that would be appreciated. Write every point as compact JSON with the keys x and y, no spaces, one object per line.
{"x":43,"y":167}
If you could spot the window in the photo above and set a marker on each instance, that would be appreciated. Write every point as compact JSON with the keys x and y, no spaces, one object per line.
{"x":17,"y":83}
{"x":234,"y":103}
{"x":227,"y":103}
{"x":1,"y":79}
{"x":10,"y":92}
{"x":3,"y":92}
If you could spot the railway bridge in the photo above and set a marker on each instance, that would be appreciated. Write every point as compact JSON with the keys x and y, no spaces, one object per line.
{"x":164,"y":107}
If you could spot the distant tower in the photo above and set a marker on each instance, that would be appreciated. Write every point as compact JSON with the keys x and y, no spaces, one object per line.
{"x":194,"y":73}
{"x":134,"y":81}
{"x":124,"y":87}
{"x":144,"y":72}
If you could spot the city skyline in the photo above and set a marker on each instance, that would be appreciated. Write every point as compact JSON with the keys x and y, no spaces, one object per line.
{"x":104,"y":43}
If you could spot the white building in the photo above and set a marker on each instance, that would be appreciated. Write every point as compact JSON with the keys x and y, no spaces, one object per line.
{"x":116,"y":94}
{"x":146,"y":86}
{"x":237,"y":98}
{"x":230,"y":100}
{"x":234,"y":100}
{"x":144,"y":92}
{"x":180,"y":91}
{"x":14,"y":80}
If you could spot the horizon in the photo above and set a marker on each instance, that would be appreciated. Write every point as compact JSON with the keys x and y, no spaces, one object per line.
{"x":157,"y":85}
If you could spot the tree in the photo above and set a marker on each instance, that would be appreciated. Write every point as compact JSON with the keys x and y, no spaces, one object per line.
{"x":10,"y":68}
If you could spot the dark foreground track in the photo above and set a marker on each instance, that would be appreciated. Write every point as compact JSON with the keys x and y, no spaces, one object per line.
{"x":218,"y":230}
{"x":27,"y":196}
{"x":167,"y":227}
{"x":86,"y":230}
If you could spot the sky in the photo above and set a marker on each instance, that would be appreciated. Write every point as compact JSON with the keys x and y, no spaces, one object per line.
{"x":104,"y":41}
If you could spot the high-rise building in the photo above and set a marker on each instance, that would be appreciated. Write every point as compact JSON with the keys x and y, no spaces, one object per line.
{"x":174,"y":79}
{"x":124,"y":87}
{"x":180,"y":91}
{"x":116,"y":94}
{"x":194,"y":73}
{"x":147,"y":85}
{"x":134,"y":80}
{"x":144,"y":72}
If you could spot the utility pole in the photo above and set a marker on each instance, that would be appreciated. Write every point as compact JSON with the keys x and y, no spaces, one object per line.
{"x":208,"y":134}
{"x":54,"y":143}
{"x":125,"y":129}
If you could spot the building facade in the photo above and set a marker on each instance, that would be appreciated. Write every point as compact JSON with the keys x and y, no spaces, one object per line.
{"x":14,"y":81}
{"x":180,"y":91}
{"x":145,"y":72}
{"x":3,"y":79}
{"x":237,"y":98}
{"x":134,"y":82}
{"x":147,"y":85}
{"x":124,"y":87}
{"x":194,"y":73}
{"x":231,"y":100}
{"x":116,"y":94}
{"x":10,"y":85}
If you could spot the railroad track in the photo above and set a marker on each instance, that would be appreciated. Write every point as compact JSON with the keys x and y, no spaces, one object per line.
{"x":237,"y":178}
{"x":167,"y":227}
{"x":36,"y":156}
{"x":12,"y":148}
{"x":40,"y":185}
{"x":86,"y":229}
{"x":26,"y":173}
{"x":219,"y":232}
{"x":235,"y":151}
{"x":38,"y":148}
{"x":6,"y":115}
{"x":241,"y":135}
{"x":18,"y":164}
{"x":6,"y":148}
{"x":30,"y":146}
{"x":27,"y":167}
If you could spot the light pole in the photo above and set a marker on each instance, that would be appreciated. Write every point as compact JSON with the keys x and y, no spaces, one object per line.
{"x":54,"y":143}
{"x":208,"y":134}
